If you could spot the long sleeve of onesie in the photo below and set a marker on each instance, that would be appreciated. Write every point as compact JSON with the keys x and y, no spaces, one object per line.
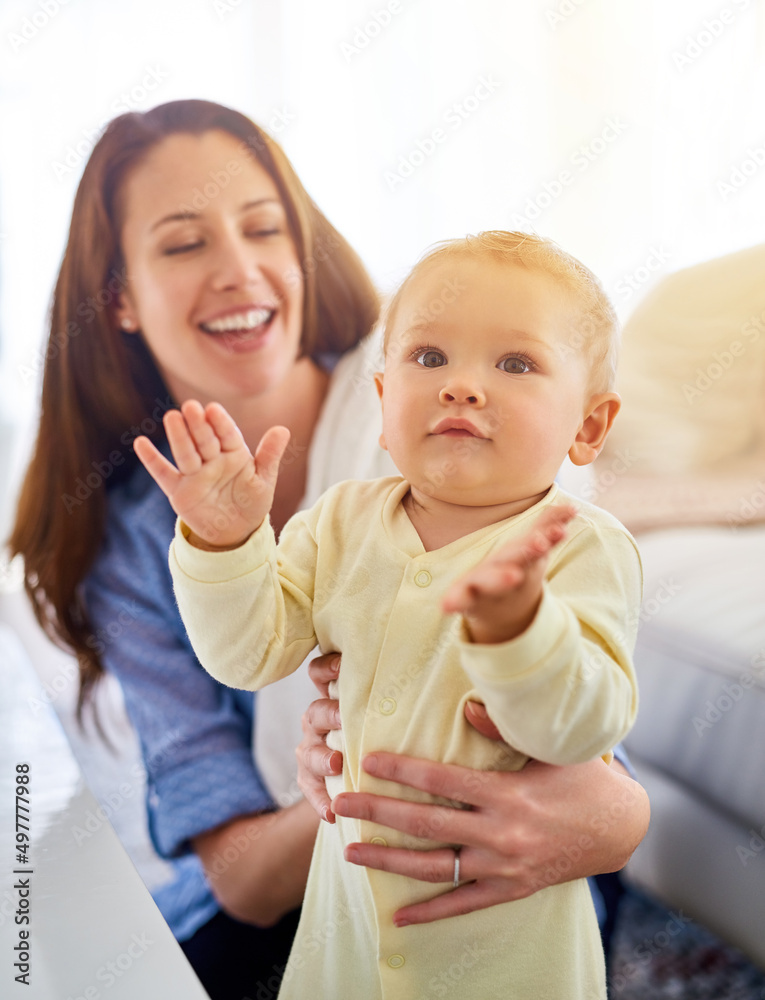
{"x":564,"y":691}
{"x":248,"y":617}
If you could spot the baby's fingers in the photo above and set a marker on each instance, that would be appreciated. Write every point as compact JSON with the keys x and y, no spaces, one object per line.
{"x":164,"y":473}
{"x":487,"y":578}
{"x":270,"y":451}
{"x":552,"y":524}
{"x":201,"y":430}
{"x":182,"y":444}
{"x":228,"y":434}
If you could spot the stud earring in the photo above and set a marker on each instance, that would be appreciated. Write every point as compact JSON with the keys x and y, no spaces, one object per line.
{"x":127,"y":325}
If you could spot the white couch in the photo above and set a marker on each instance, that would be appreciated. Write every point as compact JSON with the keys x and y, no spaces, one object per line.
{"x":685,"y":470}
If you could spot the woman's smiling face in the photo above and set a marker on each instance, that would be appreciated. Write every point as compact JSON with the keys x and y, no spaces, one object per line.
{"x":214,"y":283}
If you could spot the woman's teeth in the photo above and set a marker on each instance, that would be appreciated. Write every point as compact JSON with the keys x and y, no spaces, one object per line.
{"x":243,"y":322}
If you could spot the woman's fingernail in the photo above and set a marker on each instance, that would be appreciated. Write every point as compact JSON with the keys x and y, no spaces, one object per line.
{"x":334,"y":665}
{"x":401,"y":923}
{"x":371,"y":763}
{"x":352,"y":855}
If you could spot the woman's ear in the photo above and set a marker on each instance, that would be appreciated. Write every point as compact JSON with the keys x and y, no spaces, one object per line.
{"x":599,"y":416}
{"x":379,"y":387}
{"x":124,"y":313}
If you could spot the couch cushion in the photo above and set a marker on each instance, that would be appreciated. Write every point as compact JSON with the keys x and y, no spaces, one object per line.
{"x":694,"y":858}
{"x":689,"y":443}
{"x":700,"y":659}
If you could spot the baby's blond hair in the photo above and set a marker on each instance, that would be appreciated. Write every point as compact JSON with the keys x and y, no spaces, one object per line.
{"x":594,"y":327}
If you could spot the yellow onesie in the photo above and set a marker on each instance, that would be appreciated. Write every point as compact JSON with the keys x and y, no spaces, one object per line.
{"x":351,"y":574}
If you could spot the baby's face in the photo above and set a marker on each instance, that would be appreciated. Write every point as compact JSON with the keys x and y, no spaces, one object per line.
{"x":482,"y":394}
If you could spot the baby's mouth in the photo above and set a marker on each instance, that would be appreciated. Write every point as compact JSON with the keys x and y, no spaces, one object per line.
{"x":241,"y":326}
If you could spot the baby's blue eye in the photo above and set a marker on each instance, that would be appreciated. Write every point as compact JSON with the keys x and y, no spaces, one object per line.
{"x":431,"y":359}
{"x":514,"y":365}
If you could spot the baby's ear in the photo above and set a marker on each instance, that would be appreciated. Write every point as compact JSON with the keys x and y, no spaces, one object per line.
{"x":379,"y":387}
{"x":599,"y":416}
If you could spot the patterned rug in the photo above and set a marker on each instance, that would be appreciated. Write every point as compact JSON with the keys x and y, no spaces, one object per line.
{"x":659,"y":954}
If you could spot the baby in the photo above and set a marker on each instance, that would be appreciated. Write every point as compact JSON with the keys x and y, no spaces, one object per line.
{"x":470,"y":576}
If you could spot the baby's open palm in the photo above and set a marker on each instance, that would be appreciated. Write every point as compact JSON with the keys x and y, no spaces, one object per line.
{"x":218,"y":488}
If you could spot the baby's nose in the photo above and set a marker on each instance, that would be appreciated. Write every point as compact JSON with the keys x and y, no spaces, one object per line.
{"x":462,"y":391}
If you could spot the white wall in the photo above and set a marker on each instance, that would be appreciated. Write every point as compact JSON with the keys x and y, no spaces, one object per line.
{"x":615,"y":125}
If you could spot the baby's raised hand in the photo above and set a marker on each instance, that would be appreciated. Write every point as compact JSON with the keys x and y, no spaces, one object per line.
{"x":218,"y":488}
{"x":500,"y":596}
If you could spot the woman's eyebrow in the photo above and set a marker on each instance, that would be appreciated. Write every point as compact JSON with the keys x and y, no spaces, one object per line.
{"x":260,"y":201}
{"x":185,"y":216}
{"x":175,"y":217}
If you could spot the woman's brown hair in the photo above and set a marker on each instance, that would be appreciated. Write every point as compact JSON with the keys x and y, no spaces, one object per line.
{"x":100,"y":382}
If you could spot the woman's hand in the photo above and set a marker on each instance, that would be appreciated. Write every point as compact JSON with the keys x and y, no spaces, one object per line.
{"x":523,"y":831}
{"x":315,"y":759}
{"x":218,"y":488}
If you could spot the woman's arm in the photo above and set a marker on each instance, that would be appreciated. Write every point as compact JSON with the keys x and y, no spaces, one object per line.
{"x":204,"y":792}
{"x":257,"y":866}
{"x":524,"y":830}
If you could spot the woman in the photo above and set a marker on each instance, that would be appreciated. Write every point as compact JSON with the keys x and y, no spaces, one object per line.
{"x":197,"y":266}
